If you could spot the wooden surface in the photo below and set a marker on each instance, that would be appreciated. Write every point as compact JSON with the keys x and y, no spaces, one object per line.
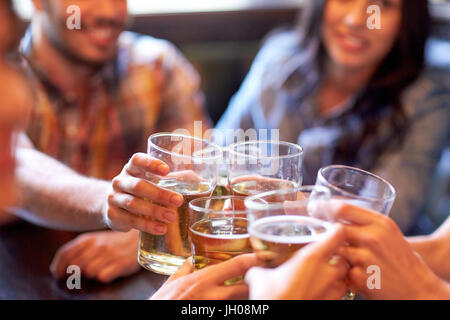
{"x":25,"y":255}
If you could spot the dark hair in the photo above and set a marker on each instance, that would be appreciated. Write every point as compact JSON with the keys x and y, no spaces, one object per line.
{"x":399,"y":69}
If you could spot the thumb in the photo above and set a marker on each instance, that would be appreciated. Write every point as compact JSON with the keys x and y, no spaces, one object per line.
{"x":185,"y":269}
{"x":254,"y":274}
{"x":324,"y":248}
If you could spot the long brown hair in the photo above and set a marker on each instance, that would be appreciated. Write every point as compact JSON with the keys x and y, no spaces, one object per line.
{"x":398,"y":70}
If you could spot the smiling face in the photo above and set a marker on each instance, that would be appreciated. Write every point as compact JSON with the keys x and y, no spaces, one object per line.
{"x":348,"y":40}
{"x":102,"y":21}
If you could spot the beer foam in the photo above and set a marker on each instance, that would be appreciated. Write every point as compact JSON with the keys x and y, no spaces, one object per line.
{"x":313,"y":223}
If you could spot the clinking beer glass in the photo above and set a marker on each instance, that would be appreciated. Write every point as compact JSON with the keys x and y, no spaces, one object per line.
{"x":356,"y":187}
{"x":193,"y":164}
{"x":279,"y":223}
{"x":263,"y":165}
{"x":218,"y":229}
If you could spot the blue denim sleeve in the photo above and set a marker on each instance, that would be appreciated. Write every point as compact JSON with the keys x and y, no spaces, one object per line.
{"x":245,"y":109}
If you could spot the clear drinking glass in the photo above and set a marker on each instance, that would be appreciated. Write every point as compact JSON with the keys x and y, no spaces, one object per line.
{"x":260,"y":166}
{"x":193,"y":164}
{"x":359,"y":188}
{"x":279,"y":224}
{"x":217,"y":229}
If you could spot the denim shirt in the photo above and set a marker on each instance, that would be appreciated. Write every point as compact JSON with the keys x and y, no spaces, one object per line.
{"x":276,"y":95}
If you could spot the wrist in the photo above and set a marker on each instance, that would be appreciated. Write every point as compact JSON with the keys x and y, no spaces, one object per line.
{"x":431,"y":288}
{"x":103,"y":205}
{"x":427,"y":248}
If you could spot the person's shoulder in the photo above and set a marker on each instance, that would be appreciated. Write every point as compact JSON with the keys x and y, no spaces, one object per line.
{"x":279,"y":46}
{"x":429,"y":93}
{"x":144,"y":48}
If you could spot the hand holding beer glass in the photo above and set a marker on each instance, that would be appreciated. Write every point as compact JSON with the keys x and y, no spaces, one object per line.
{"x":193,"y":167}
{"x":356,"y":187}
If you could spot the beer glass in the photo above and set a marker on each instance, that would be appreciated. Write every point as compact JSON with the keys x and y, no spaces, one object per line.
{"x":358,"y":187}
{"x":217,"y":229}
{"x":279,"y":223}
{"x":193,"y":164}
{"x":260,"y":166}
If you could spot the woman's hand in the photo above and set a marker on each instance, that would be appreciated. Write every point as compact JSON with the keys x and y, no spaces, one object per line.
{"x":102,"y":256}
{"x":128,"y":204}
{"x":312,"y":273}
{"x":207,"y":283}
{"x":375,"y":240}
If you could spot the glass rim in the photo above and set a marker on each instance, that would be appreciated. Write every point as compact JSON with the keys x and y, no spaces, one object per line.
{"x":390,"y":187}
{"x":250,"y":202}
{"x":195,"y":207}
{"x":299,"y":149}
{"x":169,"y":134}
{"x":329,"y":227}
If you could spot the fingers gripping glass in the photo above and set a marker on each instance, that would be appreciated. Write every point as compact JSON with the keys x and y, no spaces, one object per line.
{"x":357,"y":187}
{"x":193,"y":167}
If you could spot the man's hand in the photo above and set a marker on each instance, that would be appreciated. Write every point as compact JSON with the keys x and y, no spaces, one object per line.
{"x":208,"y":283}
{"x":374,"y":239}
{"x":312,"y":273}
{"x":102,"y":256}
{"x":128,"y":204}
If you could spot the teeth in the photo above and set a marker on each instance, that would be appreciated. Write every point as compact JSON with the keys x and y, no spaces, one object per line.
{"x":102,"y":33}
{"x":354,"y":41}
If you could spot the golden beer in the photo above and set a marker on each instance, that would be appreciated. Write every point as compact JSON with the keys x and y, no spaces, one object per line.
{"x":254,"y":185}
{"x":165,"y":254}
{"x":217,"y":240}
{"x":276,"y":238}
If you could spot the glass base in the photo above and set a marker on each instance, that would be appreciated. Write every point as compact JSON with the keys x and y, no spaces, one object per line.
{"x":161,"y":263}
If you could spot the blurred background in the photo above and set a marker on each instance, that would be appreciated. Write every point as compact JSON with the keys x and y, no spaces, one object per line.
{"x":222,"y":37}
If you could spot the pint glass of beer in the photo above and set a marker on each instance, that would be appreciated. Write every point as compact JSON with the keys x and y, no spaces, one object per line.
{"x":217,"y":229}
{"x":193,"y":164}
{"x":260,"y":166}
{"x":279,"y":223}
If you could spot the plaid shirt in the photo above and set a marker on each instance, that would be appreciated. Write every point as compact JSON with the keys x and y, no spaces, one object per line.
{"x":149,"y":87}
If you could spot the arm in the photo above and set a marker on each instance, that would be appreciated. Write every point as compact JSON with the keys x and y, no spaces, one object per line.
{"x":55,"y":196}
{"x":435,"y":250}
{"x":410,"y":167}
